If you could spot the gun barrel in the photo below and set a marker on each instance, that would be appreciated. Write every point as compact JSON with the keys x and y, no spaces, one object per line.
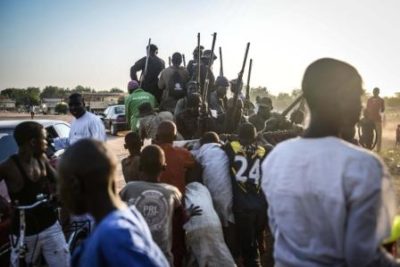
{"x":229,"y":123}
{"x":291,"y":106}
{"x":248,"y":80}
{"x":142,"y":76}
{"x":184,"y":60}
{"x":210,"y":61}
{"x":240,"y":76}
{"x":221,"y":63}
{"x":198,"y":59}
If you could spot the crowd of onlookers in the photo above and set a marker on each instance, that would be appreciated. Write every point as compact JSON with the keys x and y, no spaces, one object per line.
{"x":228,"y":198}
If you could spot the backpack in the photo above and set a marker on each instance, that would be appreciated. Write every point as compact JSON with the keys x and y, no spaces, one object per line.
{"x":176,"y":86}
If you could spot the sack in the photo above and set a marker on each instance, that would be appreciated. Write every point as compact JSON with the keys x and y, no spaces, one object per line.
{"x":176,"y":87}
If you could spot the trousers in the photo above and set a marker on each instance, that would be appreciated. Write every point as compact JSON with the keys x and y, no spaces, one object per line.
{"x":250,"y":227}
{"x":50,"y":242}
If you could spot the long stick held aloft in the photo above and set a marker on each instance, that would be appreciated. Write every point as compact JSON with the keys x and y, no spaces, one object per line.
{"x":210,"y":61}
{"x":221,"y":63}
{"x":240,"y":76}
{"x":248,"y":80}
{"x":184,"y":60}
{"x":146,"y":64}
{"x":245,"y":60}
{"x":198,"y":59}
{"x":229,"y":123}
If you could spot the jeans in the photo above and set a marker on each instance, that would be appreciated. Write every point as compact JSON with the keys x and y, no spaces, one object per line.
{"x":50,"y":242}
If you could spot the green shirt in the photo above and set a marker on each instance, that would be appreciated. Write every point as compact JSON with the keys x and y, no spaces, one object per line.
{"x":132,"y":103}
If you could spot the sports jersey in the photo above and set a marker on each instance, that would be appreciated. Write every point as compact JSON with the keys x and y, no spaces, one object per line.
{"x":157,"y":203}
{"x":245,"y":170}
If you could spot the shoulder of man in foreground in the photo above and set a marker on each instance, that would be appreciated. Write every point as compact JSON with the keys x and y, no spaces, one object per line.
{"x":371,"y":208}
{"x":126,"y":240}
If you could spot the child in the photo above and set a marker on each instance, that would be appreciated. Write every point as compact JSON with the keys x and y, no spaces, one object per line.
{"x":88,"y":185}
{"x":156,"y":201}
{"x":130,"y":164}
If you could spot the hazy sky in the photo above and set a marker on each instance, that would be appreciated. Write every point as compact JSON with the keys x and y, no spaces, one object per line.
{"x":94,"y":43}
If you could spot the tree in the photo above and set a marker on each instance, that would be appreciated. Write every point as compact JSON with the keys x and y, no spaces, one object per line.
{"x":25,"y":97}
{"x":116,"y":90}
{"x":258,"y":91}
{"x":296,"y":93}
{"x":61,"y":108}
{"x":53,"y":92}
{"x":33,"y":96}
{"x":9,"y":93}
{"x":81,"y":89}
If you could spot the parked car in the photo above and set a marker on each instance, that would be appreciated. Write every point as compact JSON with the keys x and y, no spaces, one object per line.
{"x":114,"y":118}
{"x":55,"y":129}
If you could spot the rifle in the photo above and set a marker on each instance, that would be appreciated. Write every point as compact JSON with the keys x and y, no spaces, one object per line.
{"x":229,"y":123}
{"x":143,"y":74}
{"x":198,"y":59}
{"x":291,"y":106}
{"x":248,"y":103}
{"x":210,"y":61}
{"x":169,"y":61}
{"x":184,"y":60}
{"x":221,"y":65}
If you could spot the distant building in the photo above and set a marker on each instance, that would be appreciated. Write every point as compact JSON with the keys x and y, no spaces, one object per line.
{"x":97,"y":102}
{"x":7,"y":104}
{"x":49,"y":104}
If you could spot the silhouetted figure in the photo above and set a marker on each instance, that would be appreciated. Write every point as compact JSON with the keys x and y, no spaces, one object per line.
{"x":154,"y":67}
{"x":375,"y":108}
{"x":173,"y":82}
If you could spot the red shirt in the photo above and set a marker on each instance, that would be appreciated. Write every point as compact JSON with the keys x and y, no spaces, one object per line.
{"x":179,"y":160}
{"x":375,"y":106}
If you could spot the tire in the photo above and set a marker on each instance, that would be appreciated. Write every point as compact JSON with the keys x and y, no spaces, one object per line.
{"x":113,"y":129}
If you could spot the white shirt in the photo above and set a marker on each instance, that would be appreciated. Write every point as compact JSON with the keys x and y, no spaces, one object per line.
{"x":330,"y":203}
{"x":217,"y":179}
{"x":87,"y":126}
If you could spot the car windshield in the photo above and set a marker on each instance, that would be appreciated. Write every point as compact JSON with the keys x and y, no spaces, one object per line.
{"x":119,"y":110}
{"x":7,"y":144}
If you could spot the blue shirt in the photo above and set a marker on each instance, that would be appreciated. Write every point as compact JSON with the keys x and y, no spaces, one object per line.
{"x":121,"y":239}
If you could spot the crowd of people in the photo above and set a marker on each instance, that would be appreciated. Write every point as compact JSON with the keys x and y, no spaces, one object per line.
{"x":234,"y":194}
